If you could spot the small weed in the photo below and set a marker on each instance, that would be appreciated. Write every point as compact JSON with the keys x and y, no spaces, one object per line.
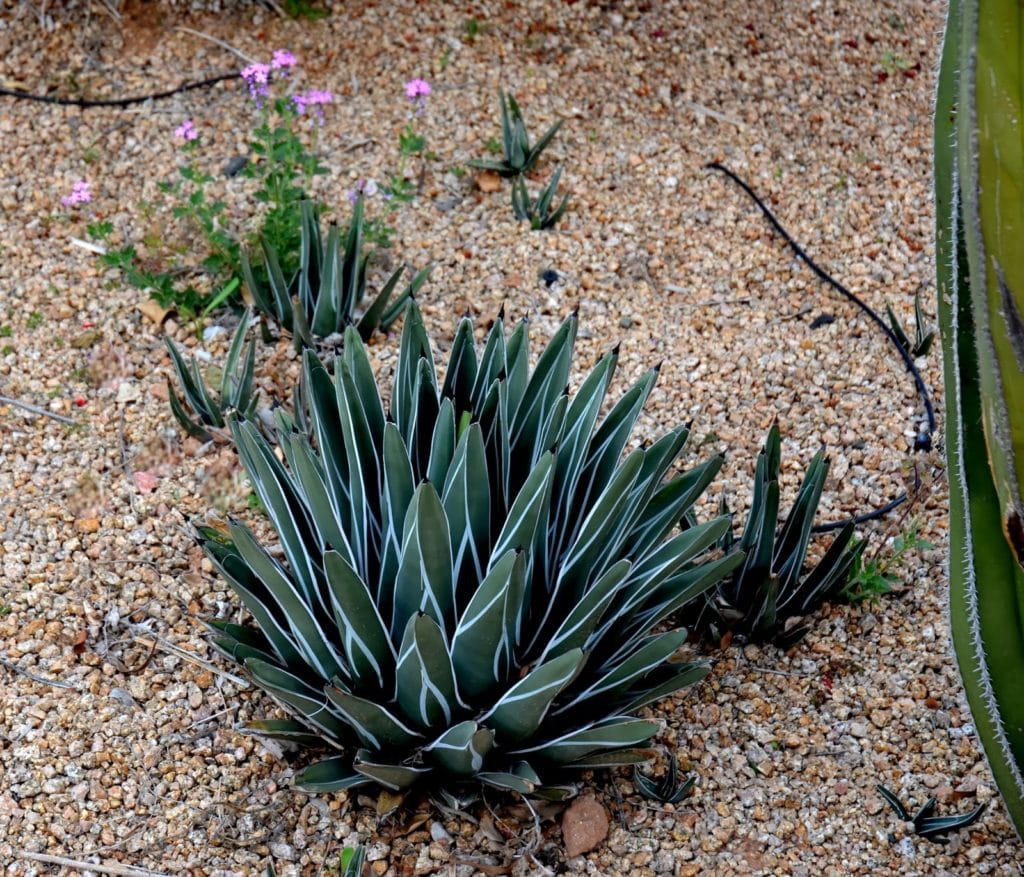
{"x":91,"y":155}
{"x":471,"y":29}
{"x":35,"y":320}
{"x":871,"y":578}
{"x":5,"y":609}
{"x":307,"y":9}
{"x":6,"y":331}
{"x":445,"y":59}
{"x":493,"y":146}
{"x":79,"y":375}
{"x":896,"y":23}
{"x":458,"y":171}
{"x":6,"y":350}
{"x":893,"y":63}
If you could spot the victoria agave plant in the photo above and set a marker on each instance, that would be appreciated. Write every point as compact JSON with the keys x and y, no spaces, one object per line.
{"x":469,"y":580}
{"x":330,"y":288}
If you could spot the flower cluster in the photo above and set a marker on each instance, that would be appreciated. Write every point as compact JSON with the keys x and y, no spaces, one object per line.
{"x":257,"y":76}
{"x":315,"y":99}
{"x":80,"y":194}
{"x":417,"y":91}
{"x":366,"y":188}
{"x":186,"y":131}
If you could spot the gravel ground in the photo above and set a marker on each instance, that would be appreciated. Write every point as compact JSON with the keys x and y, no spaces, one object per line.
{"x":117,"y":740}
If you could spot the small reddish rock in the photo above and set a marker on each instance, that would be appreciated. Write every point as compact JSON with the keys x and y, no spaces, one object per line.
{"x":584,"y":827}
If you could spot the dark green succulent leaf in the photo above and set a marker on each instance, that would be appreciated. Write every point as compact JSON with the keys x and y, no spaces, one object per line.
{"x":520,"y":525}
{"x":374,"y":725}
{"x":424,"y":582}
{"x":426,"y":681}
{"x":937,"y":825}
{"x":193,"y":428}
{"x":607,"y":735}
{"x":299,"y":697}
{"x":391,"y":776}
{"x":285,"y":731}
{"x":368,"y":648}
{"x":664,"y":681}
{"x":398,"y":306}
{"x":893,"y":801}
{"x":442,"y":444}
{"x":519,"y":712}
{"x":579,"y":624}
{"x":483,"y":644}
{"x":461,"y":749}
{"x":328,"y":307}
{"x":462,"y":368}
{"x":330,"y":775}
{"x":467,"y":505}
{"x":614,"y":758}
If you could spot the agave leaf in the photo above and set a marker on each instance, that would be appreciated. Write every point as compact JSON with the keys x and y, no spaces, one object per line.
{"x":191,"y":384}
{"x":442,"y":444}
{"x":326,"y":422}
{"x":414,"y":346}
{"x":654,"y":651}
{"x":278,"y":286}
{"x":616,"y":732}
{"x":368,"y":648}
{"x":391,"y":776}
{"x":424,"y":582}
{"x":545,"y":386}
{"x":491,"y":364}
{"x":308,"y":631}
{"x":234,"y":354}
{"x":796,"y":532}
{"x":256,"y":600}
{"x":372,"y":723}
{"x":461,"y":749}
{"x":277,"y":493}
{"x":542,"y":144}
{"x":467,"y":505}
{"x":897,"y":329}
{"x":261,"y":296}
{"x":936,"y":825}
{"x":287,"y":731}
{"x":894,"y":802}
{"x":312,"y":482}
{"x":547,"y":194}
{"x":305,"y":701}
{"x":669,"y":504}
{"x":664,"y":681}
{"x":328,"y":308}
{"x":397,"y":307}
{"x":330,"y":775}
{"x":578,"y":625}
{"x":373,"y":315}
{"x":398,"y":494}
{"x":615,"y":758}
{"x":426,"y":682}
{"x":519,"y":712}
{"x":521,"y":523}
{"x":484,"y":640}
{"x":829,"y":574}
{"x":193,"y":428}
{"x":487,"y":164}
{"x":507,"y":782}
{"x":552,"y":219}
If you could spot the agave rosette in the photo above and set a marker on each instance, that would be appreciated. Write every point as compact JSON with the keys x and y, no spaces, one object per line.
{"x":470,"y":579}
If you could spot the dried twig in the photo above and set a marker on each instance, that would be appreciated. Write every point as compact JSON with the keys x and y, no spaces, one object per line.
{"x":42,"y":680}
{"x":122,"y":870}
{"x":219,"y":42}
{"x":171,"y":649}
{"x":34,"y":409}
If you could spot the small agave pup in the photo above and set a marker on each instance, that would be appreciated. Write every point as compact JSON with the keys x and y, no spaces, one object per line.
{"x":470,"y":580}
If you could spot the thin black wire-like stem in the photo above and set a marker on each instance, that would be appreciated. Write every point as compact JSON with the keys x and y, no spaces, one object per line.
{"x":86,"y":103}
{"x":923,"y":441}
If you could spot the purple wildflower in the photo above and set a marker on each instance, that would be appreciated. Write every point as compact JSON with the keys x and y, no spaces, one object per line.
{"x":257,"y":77}
{"x":186,"y":131}
{"x":417,"y":90}
{"x":80,"y":194}
{"x":282,"y":59}
{"x":366,"y":188}
{"x":316,"y":99}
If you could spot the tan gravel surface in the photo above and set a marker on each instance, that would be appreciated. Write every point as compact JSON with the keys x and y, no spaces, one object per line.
{"x":117,"y":740}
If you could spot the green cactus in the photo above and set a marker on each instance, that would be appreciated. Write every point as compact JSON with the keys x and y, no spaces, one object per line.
{"x":979,"y":171}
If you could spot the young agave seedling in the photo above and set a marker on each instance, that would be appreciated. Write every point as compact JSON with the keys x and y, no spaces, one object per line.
{"x":539,"y":212}
{"x":924,"y":823}
{"x":520,"y":155}
{"x":327,"y":290}
{"x":923,"y":337}
{"x":474,"y":583}
{"x":667,"y":790}
{"x":210,"y":409}
{"x":766,"y":598}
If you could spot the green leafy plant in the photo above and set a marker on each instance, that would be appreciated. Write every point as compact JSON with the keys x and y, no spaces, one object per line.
{"x":520,"y":155}
{"x":470,"y":582}
{"x":194,"y":284}
{"x":539,"y":213}
{"x":350,"y":861}
{"x":923,"y":336}
{"x":307,"y":9}
{"x":329,"y":285}
{"x":980,"y":294}
{"x":878,"y":575}
{"x":926,"y":825}
{"x":666,"y":790}
{"x":209,"y":408}
{"x":767,"y":598}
